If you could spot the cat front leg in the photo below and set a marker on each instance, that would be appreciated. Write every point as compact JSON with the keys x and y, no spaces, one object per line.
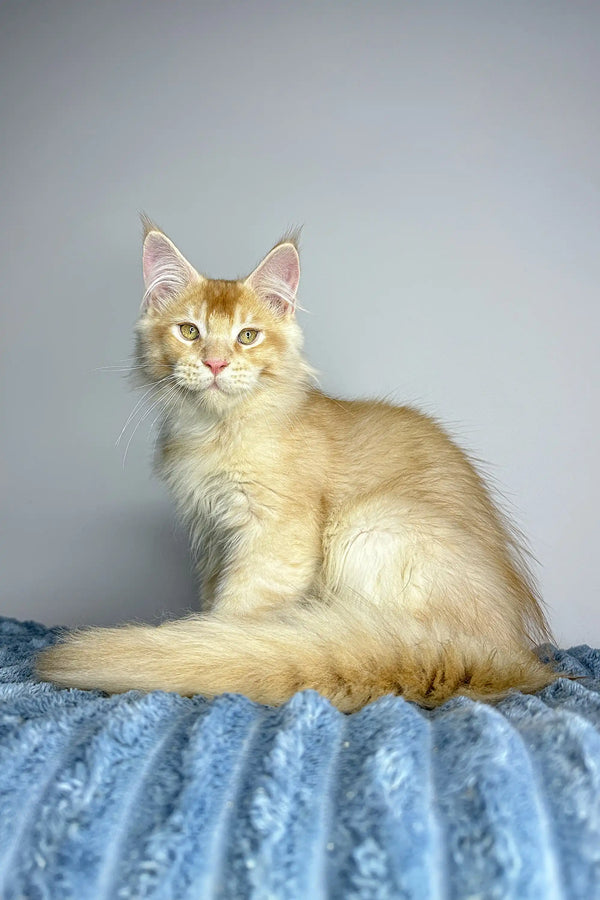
{"x":273,"y":564}
{"x":256,"y":547}
{"x":210,"y":559}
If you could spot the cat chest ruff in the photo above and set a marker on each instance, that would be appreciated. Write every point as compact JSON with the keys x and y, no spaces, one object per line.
{"x":219,"y":496}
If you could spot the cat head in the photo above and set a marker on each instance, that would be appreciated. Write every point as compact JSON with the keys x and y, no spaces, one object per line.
{"x":219,"y":341}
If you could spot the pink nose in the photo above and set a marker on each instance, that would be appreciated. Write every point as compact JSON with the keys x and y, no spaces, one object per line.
{"x":215,"y":365}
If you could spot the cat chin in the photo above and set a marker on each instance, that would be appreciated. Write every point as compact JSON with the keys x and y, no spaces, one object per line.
{"x":216,"y":399}
{"x":214,"y":391}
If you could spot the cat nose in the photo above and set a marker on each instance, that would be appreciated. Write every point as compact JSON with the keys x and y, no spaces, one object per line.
{"x":215,"y":365}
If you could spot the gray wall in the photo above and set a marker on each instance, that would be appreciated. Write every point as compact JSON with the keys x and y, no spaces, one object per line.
{"x":444,"y":160}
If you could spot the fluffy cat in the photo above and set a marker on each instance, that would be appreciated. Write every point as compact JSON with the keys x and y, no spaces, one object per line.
{"x":344,"y":546}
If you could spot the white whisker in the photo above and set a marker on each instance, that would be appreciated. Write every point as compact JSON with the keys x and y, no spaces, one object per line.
{"x":181,"y":402}
{"x":118,"y":368}
{"x":169,"y":403}
{"x":139,"y":403}
{"x":155,"y":402}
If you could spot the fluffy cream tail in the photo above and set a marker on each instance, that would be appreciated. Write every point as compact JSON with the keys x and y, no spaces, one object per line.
{"x":349,"y":657}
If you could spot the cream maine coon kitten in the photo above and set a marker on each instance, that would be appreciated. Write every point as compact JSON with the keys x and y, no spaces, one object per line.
{"x":345,"y":546}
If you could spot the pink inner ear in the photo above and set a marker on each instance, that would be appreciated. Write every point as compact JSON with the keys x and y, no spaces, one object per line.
{"x":285,"y":265}
{"x":276,"y":278}
{"x":154,"y":250}
{"x":166,"y":272}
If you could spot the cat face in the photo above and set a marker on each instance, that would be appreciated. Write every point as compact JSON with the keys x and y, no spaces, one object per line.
{"x":218,"y":341}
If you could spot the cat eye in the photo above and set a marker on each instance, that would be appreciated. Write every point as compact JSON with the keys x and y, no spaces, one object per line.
{"x":189,"y":331}
{"x":247,"y":336}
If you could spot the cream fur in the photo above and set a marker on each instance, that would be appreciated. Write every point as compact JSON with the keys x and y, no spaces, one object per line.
{"x":347,"y":546}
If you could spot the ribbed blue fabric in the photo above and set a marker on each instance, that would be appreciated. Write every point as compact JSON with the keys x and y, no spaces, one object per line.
{"x":159,"y":796}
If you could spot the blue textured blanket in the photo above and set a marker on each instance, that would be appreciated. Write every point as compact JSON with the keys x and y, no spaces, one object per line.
{"x":159,"y":796}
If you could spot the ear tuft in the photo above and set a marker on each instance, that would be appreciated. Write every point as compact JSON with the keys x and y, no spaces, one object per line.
{"x":148,"y":225}
{"x":275,"y":280}
{"x":167,"y":273}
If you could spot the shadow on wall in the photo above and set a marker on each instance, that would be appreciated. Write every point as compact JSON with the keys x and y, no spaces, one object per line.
{"x":104,"y":568}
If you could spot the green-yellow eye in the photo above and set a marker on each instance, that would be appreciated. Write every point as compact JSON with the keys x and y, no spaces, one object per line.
{"x":247,"y":336}
{"x":189,"y":331}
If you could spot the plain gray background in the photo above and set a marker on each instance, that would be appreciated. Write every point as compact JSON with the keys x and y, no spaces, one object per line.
{"x":444,"y":160}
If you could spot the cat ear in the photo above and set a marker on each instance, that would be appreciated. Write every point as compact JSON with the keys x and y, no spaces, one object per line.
{"x":166,"y":272}
{"x":276,"y":278}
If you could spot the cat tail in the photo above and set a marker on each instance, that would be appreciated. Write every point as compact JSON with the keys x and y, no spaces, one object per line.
{"x":350,"y":656}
